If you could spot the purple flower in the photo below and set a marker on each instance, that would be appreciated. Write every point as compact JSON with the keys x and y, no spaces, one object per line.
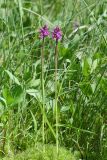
{"x":44,"y":32}
{"x":57,"y":34}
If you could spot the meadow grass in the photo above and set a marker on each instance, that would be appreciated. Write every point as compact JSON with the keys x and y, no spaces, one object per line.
{"x":36,"y":153}
{"x":27,"y":109}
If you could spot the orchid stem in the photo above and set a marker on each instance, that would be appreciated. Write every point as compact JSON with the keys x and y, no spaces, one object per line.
{"x":43,"y":95}
{"x":56,"y":94}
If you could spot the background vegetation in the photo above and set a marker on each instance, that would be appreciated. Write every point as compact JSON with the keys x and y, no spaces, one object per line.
{"x":82,"y":75}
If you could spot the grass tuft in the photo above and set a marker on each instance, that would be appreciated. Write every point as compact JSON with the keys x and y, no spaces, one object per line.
{"x":36,"y":153}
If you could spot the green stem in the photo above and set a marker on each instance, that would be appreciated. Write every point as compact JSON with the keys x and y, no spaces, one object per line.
{"x":56,"y":95}
{"x":4,"y":140}
{"x":43,"y":94}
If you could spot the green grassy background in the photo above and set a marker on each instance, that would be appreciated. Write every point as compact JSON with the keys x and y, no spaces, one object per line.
{"x":82,"y":75}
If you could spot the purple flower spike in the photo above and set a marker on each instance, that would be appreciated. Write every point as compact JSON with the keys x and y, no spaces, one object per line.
{"x":44,"y":32}
{"x":57,"y":34}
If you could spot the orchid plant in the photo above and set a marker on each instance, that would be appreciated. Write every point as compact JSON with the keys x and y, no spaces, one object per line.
{"x":56,"y":35}
{"x":44,"y":32}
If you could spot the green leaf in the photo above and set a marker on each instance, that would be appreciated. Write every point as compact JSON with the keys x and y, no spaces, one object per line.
{"x":7,"y":95}
{"x":12,"y":77}
{"x":34,"y":121}
{"x":86,"y":88}
{"x":1,"y":109}
{"x":3,"y":101}
{"x":17,"y":94}
{"x":65,"y":108}
{"x":94,"y":65}
{"x":34,"y":83}
{"x":20,"y":8}
{"x":1,"y":125}
{"x":35,"y":93}
{"x":85,"y":67}
{"x":3,"y":105}
{"x":103,"y":84}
